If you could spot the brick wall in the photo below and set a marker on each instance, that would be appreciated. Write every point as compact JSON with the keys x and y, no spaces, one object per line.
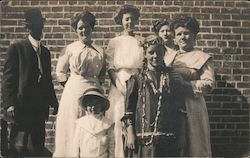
{"x":225,"y":34}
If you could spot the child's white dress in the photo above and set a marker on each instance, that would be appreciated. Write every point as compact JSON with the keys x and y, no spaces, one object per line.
{"x":93,"y":138}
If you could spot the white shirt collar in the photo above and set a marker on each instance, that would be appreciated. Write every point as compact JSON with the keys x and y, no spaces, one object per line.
{"x":33,"y":41}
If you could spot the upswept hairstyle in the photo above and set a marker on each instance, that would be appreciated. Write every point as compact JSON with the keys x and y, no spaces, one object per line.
{"x":85,"y":16}
{"x":126,"y":9}
{"x":187,"y":22}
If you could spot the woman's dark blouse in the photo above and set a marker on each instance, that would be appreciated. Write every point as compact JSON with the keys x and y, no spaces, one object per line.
{"x":167,"y":123}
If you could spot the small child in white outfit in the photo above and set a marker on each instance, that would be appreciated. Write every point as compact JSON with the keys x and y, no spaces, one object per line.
{"x":94,"y":135}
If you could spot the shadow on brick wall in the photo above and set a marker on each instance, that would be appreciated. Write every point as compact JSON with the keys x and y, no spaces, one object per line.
{"x":229,"y":120}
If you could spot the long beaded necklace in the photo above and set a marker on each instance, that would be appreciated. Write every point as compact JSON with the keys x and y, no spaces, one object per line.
{"x":163,"y":83}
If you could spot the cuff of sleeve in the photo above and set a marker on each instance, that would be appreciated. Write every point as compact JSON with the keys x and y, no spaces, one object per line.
{"x":61,"y":78}
{"x":197,"y":92}
{"x":127,"y":116}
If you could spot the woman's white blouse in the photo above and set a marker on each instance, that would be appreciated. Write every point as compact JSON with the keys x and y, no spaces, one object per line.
{"x":80,"y":59}
{"x":124,"y":52}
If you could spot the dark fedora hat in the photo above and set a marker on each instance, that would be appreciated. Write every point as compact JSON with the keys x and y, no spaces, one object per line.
{"x":33,"y":16}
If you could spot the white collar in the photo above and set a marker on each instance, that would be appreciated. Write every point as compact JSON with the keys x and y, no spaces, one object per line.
{"x":34,"y":42}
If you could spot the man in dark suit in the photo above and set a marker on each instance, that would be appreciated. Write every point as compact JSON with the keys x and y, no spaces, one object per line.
{"x":28,"y":90}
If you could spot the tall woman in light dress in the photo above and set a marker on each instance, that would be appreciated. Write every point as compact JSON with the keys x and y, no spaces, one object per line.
{"x":194,"y":75}
{"x":124,"y":58}
{"x":84,"y":61}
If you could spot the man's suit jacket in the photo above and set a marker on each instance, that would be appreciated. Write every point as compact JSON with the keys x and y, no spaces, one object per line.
{"x":21,"y":87}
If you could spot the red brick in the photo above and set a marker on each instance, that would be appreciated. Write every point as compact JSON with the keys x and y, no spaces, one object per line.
{"x":188,"y":3}
{"x":73,"y":9}
{"x":193,"y":9}
{"x":230,"y":10}
{"x":221,"y":16}
{"x":241,"y":17}
{"x":241,"y":30}
{"x":231,"y":51}
{"x":230,"y":4}
{"x":211,"y":23}
{"x":241,"y":71}
{"x":242,"y":4}
{"x":211,"y":36}
{"x":232,"y":37}
{"x":149,"y":2}
{"x":57,"y":9}
{"x":178,"y":3}
{"x":151,"y":9}
{"x":168,"y":2}
{"x":246,"y":51}
{"x":232,"y":64}
{"x":222,"y":4}
{"x":169,"y":9}
{"x":230,"y":23}
{"x":139,"y":2}
{"x":232,"y":43}
{"x":243,"y":85}
{"x":210,"y":10}
{"x":25,"y":3}
{"x":245,"y":11}
{"x":244,"y":44}
{"x":159,"y":3}
{"x":221,"y":30}
{"x":110,"y":9}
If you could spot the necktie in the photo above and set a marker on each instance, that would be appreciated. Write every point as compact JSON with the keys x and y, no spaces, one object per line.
{"x":40,"y":68}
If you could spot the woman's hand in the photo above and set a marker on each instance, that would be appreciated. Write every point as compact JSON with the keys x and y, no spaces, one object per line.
{"x":131,"y":138}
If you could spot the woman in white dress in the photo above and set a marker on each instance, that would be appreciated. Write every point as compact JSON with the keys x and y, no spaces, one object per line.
{"x":84,"y":61}
{"x":193,"y":76}
{"x":124,"y":58}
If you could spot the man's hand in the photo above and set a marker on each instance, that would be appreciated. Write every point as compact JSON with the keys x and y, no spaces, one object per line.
{"x":55,"y":110}
{"x":10,"y":111}
{"x":9,"y":114}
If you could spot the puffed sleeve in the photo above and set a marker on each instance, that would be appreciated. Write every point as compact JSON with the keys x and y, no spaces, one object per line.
{"x":10,"y":77}
{"x":111,"y":142}
{"x":75,"y":152}
{"x":110,"y":55}
{"x":62,"y":66}
{"x":206,"y":81}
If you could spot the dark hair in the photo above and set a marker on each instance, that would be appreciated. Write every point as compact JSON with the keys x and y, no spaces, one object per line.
{"x":187,"y":22}
{"x":159,"y":23}
{"x":85,"y":16}
{"x":126,"y":9}
{"x":152,"y":40}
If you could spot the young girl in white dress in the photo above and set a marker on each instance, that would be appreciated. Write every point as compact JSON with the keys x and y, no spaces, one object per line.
{"x":94,"y":135}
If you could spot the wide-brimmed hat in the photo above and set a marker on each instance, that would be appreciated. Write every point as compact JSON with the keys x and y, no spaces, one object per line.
{"x":94,"y":95}
{"x":126,"y":9}
{"x":33,"y":16}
